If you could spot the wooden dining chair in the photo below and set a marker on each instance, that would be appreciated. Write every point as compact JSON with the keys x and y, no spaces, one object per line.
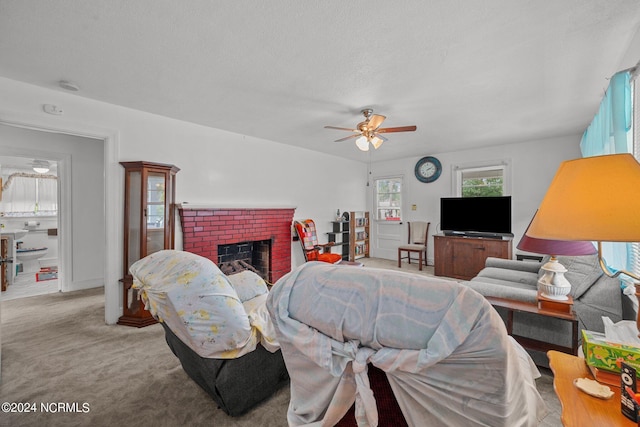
{"x":416,"y":243}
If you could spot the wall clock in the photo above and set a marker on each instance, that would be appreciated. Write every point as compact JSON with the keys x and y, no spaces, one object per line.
{"x":428,"y":169}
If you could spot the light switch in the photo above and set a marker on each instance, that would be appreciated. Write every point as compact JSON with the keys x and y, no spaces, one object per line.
{"x":414,"y":207}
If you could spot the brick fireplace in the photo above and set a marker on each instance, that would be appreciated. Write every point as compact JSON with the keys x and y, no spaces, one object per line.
{"x":222,"y":234}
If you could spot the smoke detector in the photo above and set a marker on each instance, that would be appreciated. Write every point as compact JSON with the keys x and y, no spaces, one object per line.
{"x":67,"y":85}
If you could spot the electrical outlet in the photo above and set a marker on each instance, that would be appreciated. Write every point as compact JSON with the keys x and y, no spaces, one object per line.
{"x":414,"y":207}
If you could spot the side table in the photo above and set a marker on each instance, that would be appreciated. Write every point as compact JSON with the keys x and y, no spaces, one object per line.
{"x":526,"y":307}
{"x":578,"y":408}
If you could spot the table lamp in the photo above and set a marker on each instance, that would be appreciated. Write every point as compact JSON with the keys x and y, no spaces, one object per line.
{"x":553,"y":284}
{"x":594,"y":199}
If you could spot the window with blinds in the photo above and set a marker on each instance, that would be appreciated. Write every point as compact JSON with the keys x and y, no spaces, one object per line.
{"x":634,"y":248}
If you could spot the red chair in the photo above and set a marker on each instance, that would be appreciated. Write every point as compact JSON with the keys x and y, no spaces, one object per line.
{"x":306,"y":230}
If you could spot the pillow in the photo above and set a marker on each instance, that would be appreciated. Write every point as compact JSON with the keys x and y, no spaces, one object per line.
{"x":248,"y":285}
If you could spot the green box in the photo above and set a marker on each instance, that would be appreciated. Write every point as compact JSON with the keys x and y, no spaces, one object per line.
{"x":602,"y":354}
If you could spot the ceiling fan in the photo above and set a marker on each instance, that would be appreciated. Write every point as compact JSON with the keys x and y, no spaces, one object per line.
{"x":369,"y":130}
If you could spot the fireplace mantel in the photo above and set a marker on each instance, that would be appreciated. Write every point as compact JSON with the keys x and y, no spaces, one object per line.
{"x":205,"y":227}
{"x":204,"y":206}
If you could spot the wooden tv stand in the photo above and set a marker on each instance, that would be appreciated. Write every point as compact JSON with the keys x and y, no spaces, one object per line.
{"x":463,"y":257}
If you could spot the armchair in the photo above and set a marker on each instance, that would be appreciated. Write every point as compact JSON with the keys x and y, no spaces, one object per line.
{"x":306,"y":230}
{"x":442,"y":347}
{"x":216,"y":325}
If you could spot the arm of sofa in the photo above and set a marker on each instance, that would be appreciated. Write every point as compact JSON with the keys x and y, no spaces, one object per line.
{"x":509,"y":264}
{"x":492,"y":289}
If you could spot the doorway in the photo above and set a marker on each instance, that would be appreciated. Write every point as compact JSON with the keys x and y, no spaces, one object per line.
{"x":30,"y":223}
{"x":81,"y":223}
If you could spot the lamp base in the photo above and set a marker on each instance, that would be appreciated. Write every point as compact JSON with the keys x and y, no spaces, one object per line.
{"x":553,"y":291}
{"x":553,"y":284}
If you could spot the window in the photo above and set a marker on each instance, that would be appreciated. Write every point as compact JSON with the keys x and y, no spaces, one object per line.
{"x":27,"y":194}
{"x":389,"y":199}
{"x":481,"y":182}
{"x":488,"y":180}
{"x":634,"y":248}
{"x":634,"y":257}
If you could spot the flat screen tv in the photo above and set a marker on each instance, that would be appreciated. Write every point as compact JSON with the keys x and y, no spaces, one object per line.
{"x":476,"y":216}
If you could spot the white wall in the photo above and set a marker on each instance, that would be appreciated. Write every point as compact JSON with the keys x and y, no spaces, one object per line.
{"x":533,"y":165}
{"x":217,"y":167}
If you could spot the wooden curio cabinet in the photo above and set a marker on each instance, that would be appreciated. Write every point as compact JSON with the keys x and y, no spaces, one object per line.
{"x":149,"y":202}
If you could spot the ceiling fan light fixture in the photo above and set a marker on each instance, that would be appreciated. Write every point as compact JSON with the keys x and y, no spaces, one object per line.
{"x":376,"y":142}
{"x":362,"y":143}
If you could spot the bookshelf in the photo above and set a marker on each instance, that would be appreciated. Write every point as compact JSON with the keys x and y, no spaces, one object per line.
{"x":339,"y":236}
{"x":358,"y":235}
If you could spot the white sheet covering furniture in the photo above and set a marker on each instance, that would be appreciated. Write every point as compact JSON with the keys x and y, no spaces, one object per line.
{"x":445,"y":350}
{"x":216,"y":325}
{"x":215,"y":315}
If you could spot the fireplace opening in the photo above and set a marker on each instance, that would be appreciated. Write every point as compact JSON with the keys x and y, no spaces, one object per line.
{"x":255,"y":253}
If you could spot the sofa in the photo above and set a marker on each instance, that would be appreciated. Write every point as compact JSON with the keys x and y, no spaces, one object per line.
{"x":444,"y":350}
{"x":595,"y":295}
{"x":217,"y":326}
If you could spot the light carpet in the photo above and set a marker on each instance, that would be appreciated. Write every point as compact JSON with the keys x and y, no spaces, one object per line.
{"x":58,"y":354}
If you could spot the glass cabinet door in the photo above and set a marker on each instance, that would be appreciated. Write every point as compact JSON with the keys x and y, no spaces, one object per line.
{"x":148,"y":227}
{"x":134,"y":214}
{"x":156,"y":212}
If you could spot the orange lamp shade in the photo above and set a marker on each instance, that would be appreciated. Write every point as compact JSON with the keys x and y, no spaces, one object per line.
{"x":593,"y":198}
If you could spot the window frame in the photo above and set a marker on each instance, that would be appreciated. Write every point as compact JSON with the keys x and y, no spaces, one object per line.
{"x":458,"y":169}
{"x":634,"y":247}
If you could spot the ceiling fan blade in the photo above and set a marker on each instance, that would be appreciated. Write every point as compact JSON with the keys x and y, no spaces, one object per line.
{"x":348,"y":137}
{"x":397,"y":129}
{"x":335,"y":127}
{"x":375,"y":121}
{"x":380,"y":136}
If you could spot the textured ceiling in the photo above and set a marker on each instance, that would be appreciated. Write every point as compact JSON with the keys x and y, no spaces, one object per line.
{"x":466,"y":73}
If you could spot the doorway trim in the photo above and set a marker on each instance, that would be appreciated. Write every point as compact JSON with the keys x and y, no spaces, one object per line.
{"x":111,"y":204}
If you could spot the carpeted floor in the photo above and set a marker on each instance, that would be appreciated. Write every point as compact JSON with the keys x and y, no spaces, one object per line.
{"x":58,"y":353}
{"x":56,"y":348}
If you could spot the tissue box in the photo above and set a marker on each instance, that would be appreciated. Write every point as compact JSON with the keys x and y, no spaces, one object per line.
{"x":600,"y":353}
